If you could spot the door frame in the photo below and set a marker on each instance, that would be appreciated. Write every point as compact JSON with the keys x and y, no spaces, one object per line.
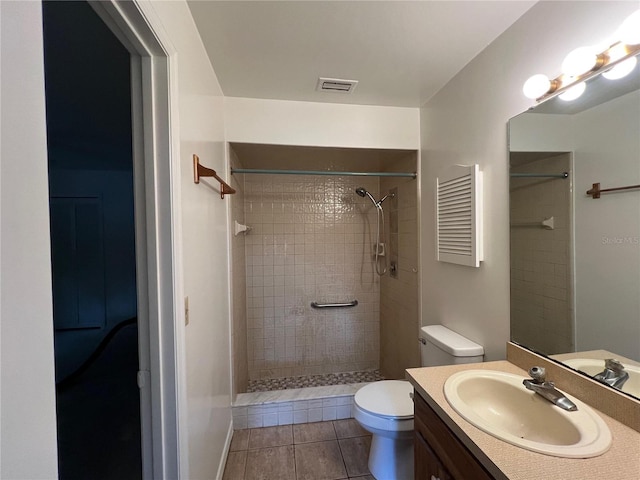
{"x":158,"y":236}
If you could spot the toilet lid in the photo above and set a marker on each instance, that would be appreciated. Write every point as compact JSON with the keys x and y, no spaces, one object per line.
{"x":389,"y":398}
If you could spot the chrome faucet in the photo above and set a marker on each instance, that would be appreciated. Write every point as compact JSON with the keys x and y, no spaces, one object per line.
{"x":613,"y":374}
{"x":539,"y":385}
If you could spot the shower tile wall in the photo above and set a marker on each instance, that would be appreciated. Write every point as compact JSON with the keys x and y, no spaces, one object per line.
{"x":238,"y":285}
{"x":399,"y":310}
{"x":541,"y":270}
{"x":311,"y":240}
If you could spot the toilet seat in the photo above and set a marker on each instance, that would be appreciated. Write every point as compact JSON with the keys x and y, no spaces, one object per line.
{"x":386,"y":410}
{"x":389,"y":399}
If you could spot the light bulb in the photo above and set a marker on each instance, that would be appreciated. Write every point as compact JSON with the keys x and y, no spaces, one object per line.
{"x":621,"y":70}
{"x":579,"y":61}
{"x":536,"y":86}
{"x":629,"y":31}
{"x":574,"y":92}
{"x":617,"y":51}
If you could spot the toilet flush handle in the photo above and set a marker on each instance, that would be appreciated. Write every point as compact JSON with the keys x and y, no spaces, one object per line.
{"x":422,"y":340}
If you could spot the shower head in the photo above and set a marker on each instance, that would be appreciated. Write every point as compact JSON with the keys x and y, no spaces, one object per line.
{"x":362,"y":192}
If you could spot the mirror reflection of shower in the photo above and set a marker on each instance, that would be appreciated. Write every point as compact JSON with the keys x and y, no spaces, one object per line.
{"x":378,"y":246}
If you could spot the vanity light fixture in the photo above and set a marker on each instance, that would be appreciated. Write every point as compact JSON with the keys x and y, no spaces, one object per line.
{"x":621,"y":70}
{"x":574,"y":92}
{"x":584,"y":63}
{"x":582,"y":60}
{"x":629,"y":32}
{"x":538,"y":85}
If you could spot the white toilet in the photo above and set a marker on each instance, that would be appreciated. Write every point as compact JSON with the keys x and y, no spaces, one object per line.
{"x":386,"y":409}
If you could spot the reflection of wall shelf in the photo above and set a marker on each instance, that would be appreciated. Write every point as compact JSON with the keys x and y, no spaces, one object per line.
{"x":547,"y":224}
{"x":596,"y":190}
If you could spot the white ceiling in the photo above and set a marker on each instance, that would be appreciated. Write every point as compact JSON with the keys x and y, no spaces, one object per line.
{"x":401,"y":52}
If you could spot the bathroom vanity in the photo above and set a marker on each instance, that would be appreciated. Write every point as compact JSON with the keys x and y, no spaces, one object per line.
{"x":438,"y":452}
{"x":448,"y":447}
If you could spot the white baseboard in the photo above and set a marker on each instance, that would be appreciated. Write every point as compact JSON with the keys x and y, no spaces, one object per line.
{"x":225,"y":452}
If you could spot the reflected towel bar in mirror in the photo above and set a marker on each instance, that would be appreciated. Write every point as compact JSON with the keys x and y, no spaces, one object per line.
{"x":596,"y":190}
{"x":540,"y":175}
{"x":334,"y":305}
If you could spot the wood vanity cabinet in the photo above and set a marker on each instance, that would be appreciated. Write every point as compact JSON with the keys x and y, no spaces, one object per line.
{"x":439,"y":455}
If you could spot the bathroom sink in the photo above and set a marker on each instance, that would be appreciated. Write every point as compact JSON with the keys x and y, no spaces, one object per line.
{"x":592,"y":367}
{"x":500,"y":405}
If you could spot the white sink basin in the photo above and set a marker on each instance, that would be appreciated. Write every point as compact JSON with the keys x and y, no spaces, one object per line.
{"x":592,"y":367}
{"x":499,"y":404}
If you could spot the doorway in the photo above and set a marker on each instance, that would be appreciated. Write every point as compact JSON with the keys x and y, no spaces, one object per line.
{"x":156,"y":177}
{"x":93,"y":244}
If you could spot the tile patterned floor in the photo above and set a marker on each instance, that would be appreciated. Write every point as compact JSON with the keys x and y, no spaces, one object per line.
{"x":334,"y":450}
{"x":286,"y":383}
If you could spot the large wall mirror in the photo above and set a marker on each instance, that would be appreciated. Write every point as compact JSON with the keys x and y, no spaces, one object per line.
{"x":575,"y":260}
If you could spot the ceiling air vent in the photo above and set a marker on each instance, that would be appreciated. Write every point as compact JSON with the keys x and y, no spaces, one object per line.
{"x":336,"y":85}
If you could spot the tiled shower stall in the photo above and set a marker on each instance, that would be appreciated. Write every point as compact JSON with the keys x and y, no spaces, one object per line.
{"x":542,"y":313}
{"x":311,"y":240}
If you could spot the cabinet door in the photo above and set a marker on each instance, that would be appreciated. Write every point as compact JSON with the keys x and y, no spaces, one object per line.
{"x":455,"y":460}
{"x":427,"y":466}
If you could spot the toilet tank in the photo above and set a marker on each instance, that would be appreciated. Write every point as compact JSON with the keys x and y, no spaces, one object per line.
{"x":441,"y":346}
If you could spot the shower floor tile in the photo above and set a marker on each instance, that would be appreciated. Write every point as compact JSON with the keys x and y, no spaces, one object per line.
{"x":287,"y":383}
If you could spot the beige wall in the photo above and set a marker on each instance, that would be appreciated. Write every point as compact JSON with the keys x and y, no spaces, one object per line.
{"x":281,"y":122}
{"x":310,"y":241}
{"x":466,"y":122}
{"x":607,"y":236}
{"x":205,"y":412}
{"x":541,"y":260}
{"x":28,"y":415}
{"x":399,"y":298}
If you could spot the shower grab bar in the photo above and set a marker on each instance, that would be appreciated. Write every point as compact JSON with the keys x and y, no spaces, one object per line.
{"x":334,"y":305}
{"x":316,"y":172}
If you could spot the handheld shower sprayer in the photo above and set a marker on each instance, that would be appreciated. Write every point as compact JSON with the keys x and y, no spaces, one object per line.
{"x":362,"y":192}
{"x":379,"y":231}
